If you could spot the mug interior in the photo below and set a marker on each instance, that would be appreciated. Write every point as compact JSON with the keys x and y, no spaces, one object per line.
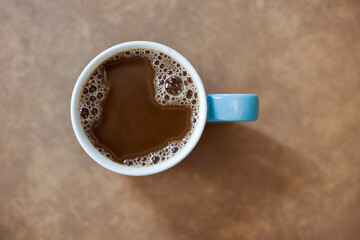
{"x":123,"y":169}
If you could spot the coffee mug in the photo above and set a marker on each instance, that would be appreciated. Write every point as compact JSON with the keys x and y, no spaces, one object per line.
{"x":212,"y":108}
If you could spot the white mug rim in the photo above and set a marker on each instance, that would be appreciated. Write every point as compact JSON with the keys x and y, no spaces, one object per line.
{"x":123,"y":169}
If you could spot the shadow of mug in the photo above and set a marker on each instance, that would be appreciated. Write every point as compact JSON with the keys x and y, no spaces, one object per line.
{"x":232,"y":178}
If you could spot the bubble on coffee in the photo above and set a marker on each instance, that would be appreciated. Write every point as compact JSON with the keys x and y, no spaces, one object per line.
{"x":173,"y":87}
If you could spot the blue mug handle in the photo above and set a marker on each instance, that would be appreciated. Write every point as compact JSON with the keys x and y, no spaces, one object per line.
{"x":232,"y":107}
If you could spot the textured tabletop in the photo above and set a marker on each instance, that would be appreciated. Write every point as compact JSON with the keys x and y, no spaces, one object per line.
{"x":293,"y":174}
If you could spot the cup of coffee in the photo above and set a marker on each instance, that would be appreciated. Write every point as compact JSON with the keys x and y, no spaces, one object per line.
{"x":140,"y":107}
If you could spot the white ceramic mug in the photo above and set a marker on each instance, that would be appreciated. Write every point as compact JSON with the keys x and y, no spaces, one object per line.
{"x":203,"y":110}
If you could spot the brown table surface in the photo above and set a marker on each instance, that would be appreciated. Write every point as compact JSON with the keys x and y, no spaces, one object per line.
{"x":293,"y":174}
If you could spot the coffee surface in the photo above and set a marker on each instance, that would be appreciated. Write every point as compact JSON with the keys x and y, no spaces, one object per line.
{"x":133,"y":123}
{"x":139,"y":107}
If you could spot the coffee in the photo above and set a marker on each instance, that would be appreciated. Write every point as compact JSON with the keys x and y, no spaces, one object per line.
{"x":139,"y":107}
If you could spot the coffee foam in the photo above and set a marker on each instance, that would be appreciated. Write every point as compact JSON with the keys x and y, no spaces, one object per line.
{"x":167,"y":72}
